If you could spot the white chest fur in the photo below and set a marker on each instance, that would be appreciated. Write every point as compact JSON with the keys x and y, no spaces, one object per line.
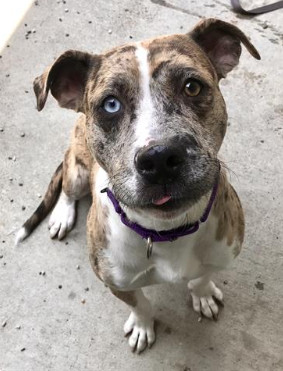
{"x":179,"y":261}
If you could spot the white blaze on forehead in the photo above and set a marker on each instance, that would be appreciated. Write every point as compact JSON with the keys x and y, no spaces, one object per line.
{"x":145,"y":112}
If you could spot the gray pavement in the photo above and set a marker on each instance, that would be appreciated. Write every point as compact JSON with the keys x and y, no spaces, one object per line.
{"x":66,"y":319}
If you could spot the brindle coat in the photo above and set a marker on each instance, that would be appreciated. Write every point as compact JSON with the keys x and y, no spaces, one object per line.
{"x":148,"y":79}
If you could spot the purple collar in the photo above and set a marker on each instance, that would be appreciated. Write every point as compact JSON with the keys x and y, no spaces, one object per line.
{"x":162,"y":236}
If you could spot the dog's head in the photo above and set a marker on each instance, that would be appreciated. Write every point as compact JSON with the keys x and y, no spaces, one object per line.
{"x":154,"y":111}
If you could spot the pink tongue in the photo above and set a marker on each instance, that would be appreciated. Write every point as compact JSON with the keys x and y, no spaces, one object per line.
{"x":162,"y":200}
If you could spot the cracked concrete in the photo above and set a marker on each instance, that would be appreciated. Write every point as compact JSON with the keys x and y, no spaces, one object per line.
{"x":65,"y":319}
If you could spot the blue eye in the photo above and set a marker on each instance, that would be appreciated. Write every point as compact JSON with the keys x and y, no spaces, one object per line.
{"x":111,"y":105}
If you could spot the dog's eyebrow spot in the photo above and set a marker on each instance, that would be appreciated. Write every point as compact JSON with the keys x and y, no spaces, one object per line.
{"x":117,"y":84}
{"x":179,"y":71}
{"x":156,"y":71}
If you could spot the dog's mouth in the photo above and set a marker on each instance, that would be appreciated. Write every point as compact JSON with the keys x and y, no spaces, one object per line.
{"x":164,"y":201}
{"x":173,"y":197}
{"x":161,"y":201}
{"x":169,"y":204}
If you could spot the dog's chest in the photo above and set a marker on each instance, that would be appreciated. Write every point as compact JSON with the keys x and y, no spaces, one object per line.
{"x":169,"y":262}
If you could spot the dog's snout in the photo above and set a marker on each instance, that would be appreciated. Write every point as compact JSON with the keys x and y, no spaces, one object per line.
{"x":160,"y":164}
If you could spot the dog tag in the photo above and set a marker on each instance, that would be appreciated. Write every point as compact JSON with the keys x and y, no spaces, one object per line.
{"x":149,"y":246}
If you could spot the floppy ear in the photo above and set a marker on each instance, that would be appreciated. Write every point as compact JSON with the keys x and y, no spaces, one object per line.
{"x":66,"y":79}
{"x":221,"y":41}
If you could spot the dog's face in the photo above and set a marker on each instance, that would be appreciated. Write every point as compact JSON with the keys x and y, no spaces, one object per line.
{"x":154,"y":111}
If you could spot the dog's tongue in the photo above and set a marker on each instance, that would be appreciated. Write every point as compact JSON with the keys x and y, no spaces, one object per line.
{"x":161,"y":200}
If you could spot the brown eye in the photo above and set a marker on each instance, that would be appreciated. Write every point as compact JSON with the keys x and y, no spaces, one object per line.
{"x":192,"y":88}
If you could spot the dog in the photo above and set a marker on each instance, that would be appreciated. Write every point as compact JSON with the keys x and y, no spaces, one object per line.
{"x":145,"y":146}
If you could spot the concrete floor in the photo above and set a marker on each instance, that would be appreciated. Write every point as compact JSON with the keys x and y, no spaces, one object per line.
{"x":44,"y":327}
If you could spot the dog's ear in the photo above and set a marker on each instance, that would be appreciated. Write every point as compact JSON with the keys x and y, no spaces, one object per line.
{"x":221,"y":41}
{"x":66,"y":79}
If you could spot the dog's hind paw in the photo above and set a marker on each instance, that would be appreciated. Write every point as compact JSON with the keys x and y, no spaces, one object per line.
{"x":208,"y":304}
{"x":141,"y":330}
{"x":63,"y":217}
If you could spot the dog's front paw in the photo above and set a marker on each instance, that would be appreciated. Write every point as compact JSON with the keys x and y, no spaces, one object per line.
{"x":62,"y":218}
{"x":141,"y":330}
{"x":206,"y":300}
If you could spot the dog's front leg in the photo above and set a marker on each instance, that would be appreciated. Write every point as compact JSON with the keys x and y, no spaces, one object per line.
{"x":140,"y":324}
{"x":206,"y":296}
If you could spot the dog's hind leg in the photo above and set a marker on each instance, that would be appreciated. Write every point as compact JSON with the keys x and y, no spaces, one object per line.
{"x":75,"y":184}
{"x":140,"y":324}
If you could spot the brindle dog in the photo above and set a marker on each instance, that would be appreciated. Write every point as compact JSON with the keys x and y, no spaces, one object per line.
{"x":153,"y":120}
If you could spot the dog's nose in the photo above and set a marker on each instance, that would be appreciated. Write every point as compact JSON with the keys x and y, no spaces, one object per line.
{"x":160,"y":164}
